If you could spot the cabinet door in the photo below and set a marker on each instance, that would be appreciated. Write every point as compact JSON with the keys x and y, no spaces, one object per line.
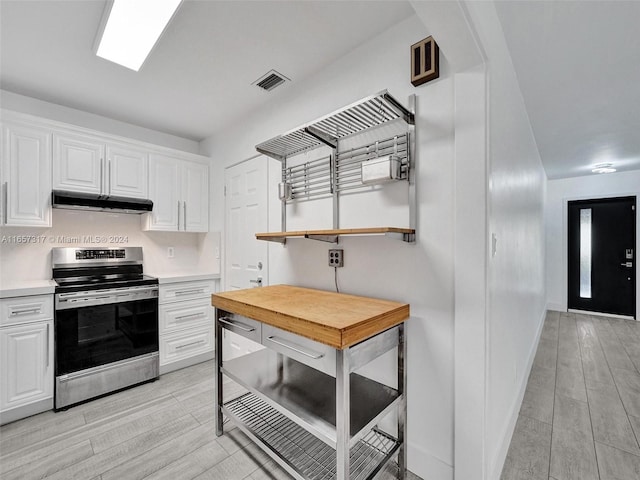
{"x":195,"y":194}
{"x":26,"y":369}
{"x":78,"y":164}
{"x":164,"y":191}
{"x":27,"y":176}
{"x":127,"y":172}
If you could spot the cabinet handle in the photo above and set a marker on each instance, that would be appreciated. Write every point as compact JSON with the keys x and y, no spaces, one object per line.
{"x":178,"y":215}
{"x":241,"y":326}
{"x":24,"y":312}
{"x":102,"y":175}
{"x":47,"y":345}
{"x":184,"y":208}
{"x":189,"y":344}
{"x":6,"y":201}
{"x":188,"y":292}
{"x":295,"y":349}
{"x":192,"y":315}
{"x":109,"y":177}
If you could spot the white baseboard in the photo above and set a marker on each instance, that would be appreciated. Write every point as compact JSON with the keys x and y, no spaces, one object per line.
{"x":25,"y":411}
{"x":427,"y":466}
{"x":556,"y":307}
{"x":496,"y":468}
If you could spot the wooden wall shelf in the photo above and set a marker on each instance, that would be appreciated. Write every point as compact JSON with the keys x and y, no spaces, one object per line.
{"x":331,"y":236}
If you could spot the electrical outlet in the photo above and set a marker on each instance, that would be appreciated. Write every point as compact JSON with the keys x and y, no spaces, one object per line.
{"x":170,"y":252}
{"x":336,"y":257}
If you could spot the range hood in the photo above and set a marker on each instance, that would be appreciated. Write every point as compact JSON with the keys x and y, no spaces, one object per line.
{"x":103,"y":203}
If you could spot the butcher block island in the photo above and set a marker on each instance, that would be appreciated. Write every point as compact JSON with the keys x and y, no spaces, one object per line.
{"x":305,"y":404}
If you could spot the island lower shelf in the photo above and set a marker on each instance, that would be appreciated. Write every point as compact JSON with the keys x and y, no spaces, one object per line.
{"x":307,"y":396}
{"x":302,"y":454}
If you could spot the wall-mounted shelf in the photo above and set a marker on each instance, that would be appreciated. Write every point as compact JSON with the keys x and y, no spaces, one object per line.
{"x":387,"y":158}
{"x":331,"y":236}
{"x":362,"y":115}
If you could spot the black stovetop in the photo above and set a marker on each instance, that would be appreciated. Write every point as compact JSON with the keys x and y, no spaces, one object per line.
{"x":91,"y":278}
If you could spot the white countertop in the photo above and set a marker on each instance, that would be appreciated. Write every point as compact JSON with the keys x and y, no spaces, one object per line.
{"x":23,"y":288}
{"x":184,"y":277}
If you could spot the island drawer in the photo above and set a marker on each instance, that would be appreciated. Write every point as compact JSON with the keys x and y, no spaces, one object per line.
{"x":314,"y":354}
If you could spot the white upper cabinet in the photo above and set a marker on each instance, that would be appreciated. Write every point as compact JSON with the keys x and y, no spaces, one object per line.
{"x":26,"y":176}
{"x":85,"y":164}
{"x":78,"y":164}
{"x":127,"y":172}
{"x":164,"y":191}
{"x":179,"y":190}
{"x":195,"y":188}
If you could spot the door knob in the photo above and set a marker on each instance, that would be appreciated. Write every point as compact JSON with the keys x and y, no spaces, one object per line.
{"x":627,"y":264}
{"x":257,"y":281}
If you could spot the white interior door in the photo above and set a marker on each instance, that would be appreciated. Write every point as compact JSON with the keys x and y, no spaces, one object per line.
{"x":246,"y":187}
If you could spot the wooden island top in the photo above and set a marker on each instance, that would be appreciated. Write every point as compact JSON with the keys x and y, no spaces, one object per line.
{"x":335,"y":319}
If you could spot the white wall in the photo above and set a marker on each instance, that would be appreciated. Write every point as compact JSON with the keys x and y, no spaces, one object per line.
{"x":32,"y":260}
{"x":559,"y":192}
{"x":420,"y":274}
{"x":515,"y":274}
{"x":60,"y":113}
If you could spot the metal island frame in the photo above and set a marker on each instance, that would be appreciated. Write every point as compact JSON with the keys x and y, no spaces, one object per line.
{"x":305,"y":405}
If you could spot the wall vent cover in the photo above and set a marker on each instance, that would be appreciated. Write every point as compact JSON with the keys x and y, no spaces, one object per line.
{"x":270,"y":80}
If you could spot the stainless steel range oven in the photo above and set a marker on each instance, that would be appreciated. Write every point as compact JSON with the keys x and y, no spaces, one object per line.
{"x":106,"y":322}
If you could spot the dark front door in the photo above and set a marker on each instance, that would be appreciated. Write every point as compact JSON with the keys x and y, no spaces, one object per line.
{"x":602,"y":265}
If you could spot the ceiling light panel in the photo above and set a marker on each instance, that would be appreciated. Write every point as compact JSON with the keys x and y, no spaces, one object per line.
{"x":133,"y":28}
{"x":603,"y":168}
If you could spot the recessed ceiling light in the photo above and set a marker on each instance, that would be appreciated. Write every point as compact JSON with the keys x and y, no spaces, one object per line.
{"x":133,"y":28}
{"x":603,"y":168}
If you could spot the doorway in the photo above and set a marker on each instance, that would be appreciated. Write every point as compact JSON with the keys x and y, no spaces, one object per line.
{"x":246,"y":259}
{"x":601,"y":253}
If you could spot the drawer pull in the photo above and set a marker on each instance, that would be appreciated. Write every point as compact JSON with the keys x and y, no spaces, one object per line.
{"x":191,"y":315}
{"x":241,"y":326}
{"x":189,"y":344}
{"x":189,"y":292}
{"x":26,"y":311}
{"x":295,"y":348}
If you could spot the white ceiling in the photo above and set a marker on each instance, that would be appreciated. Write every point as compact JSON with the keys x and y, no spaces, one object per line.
{"x":578,"y":65}
{"x":199,"y":75}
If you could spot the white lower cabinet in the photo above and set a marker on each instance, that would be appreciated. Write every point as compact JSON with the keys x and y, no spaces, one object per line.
{"x":185,"y":323}
{"x":185,"y":344}
{"x":26,"y":358}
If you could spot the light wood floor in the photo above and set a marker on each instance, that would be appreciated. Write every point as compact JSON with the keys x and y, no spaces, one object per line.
{"x":160,"y":430}
{"x":580,"y":417}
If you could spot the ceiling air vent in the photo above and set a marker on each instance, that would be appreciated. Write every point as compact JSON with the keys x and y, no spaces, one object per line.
{"x":270,"y":80}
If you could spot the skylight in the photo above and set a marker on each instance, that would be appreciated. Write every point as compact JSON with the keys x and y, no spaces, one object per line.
{"x":133,"y":28}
